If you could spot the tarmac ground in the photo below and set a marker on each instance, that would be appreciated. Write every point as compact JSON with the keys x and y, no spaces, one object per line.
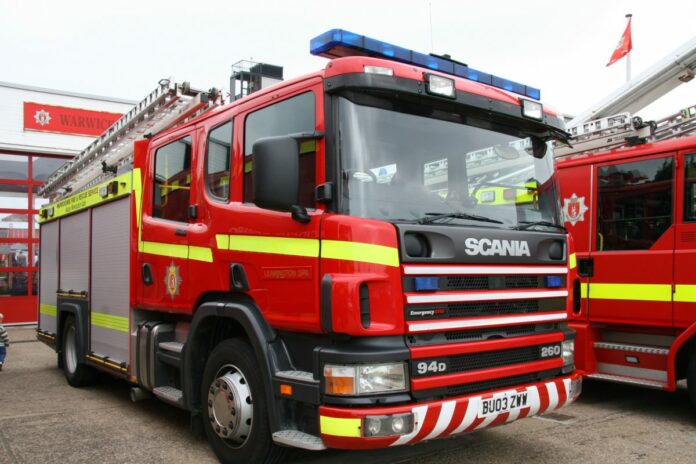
{"x":44,"y":420}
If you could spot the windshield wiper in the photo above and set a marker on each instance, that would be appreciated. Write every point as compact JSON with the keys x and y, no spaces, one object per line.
{"x":529,"y":224}
{"x":472,"y":217}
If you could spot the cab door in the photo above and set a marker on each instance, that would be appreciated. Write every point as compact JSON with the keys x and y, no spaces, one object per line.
{"x":685,"y":249}
{"x":164,"y":244}
{"x":633,"y":244}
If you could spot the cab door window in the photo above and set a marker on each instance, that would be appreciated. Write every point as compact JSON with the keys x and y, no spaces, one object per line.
{"x":290,"y":116}
{"x":634,"y":203}
{"x":690,"y":188}
{"x":217,"y":164}
{"x":172,"y":185}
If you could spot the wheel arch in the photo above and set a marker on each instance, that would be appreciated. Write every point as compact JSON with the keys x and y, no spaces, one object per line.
{"x":682,"y":348}
{"x":79,"y":313}
{"x":218,"y":319}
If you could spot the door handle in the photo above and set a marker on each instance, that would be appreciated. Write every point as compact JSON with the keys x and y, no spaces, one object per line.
{"x":180,"y":232}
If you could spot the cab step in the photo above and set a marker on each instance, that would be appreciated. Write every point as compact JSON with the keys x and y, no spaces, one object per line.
{"x":632,"y":348}
{"x":170,"y":395}
{"x":297,"y":439}
{"x":628,"y":380}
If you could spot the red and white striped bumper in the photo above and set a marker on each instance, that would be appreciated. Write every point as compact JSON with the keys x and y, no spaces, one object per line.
{"x":342,"y":427}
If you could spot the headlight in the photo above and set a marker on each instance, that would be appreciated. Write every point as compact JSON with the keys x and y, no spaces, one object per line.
{"x":568,"y":349}
{"x":366,"y":379}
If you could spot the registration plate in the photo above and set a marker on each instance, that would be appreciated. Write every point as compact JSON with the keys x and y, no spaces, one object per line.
{"x":506,"y":402}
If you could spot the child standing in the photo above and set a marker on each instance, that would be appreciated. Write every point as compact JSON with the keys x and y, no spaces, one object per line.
{"x":4,"y":341}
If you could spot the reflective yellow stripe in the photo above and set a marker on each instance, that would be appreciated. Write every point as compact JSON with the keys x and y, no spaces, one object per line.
{"x":339,"y":427}
{"x":109,"y":321}
{"x":138,"y":191}
{"x":174,"y":250}
{"x":685,"y":293}
{"x":200,"y":254}
{"x":583,"y":290}
{"x":86,"y":198}
{"x":223,"y":241}
{"x":277,"y":245}
{"x":363,"y":252}
{"x":332,"y":249}
{"x":47,"y":309}
{"x":165,"y":249}
{"x":572,"y":261}
{"x":637,"y":292}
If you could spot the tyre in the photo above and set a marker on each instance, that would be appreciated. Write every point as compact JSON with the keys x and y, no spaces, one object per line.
{"x":234,"y":410}
{"x":76,"y":372}
{"x":691,"y":378}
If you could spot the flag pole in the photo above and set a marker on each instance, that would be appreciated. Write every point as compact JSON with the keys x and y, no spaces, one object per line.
{"x":628,"y":55}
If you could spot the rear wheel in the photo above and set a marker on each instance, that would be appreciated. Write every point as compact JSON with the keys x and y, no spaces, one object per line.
{"x":691,"y":378}
{"x":235,"y":415}
{"x":77,"y":373}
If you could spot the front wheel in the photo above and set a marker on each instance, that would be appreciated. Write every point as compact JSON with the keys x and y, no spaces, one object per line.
{"x":77,"y":373}
{"x":235,"y":415}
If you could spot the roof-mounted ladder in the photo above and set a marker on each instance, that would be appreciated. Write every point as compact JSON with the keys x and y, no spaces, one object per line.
{"x":169,"y":104}
{"x":622,"y":130}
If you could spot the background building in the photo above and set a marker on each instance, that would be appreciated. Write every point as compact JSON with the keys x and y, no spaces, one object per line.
{"x":40,"y":129}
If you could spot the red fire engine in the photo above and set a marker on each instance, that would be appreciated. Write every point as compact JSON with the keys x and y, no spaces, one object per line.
{"x":316,"y":265}
{"x":632,"y":214}
{"x":627,"y":187}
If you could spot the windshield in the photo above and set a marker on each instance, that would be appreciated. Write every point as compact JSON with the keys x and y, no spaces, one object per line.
{"x":448,"y":169}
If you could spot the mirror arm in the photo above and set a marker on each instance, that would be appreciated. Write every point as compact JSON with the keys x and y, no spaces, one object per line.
{"x":299,"y":214}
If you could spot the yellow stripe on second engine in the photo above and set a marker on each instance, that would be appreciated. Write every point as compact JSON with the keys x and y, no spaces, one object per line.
{"x":635,"y":292}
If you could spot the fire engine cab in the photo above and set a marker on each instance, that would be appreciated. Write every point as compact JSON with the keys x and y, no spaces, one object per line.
{"x":322,"y":263}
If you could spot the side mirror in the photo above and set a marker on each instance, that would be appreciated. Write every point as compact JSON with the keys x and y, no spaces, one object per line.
{"x":276,"y":173}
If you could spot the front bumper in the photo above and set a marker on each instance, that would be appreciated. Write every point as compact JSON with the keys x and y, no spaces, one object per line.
{"x":342,"y":427}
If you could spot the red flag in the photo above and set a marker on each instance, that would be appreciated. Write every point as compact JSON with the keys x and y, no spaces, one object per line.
{"x":624,"y":46}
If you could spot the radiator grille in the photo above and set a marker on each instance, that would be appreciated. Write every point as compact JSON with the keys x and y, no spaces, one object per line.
{"x":485,"y":334}
{"x":475,"y":361}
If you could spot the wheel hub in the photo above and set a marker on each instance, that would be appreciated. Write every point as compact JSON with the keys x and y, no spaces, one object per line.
{"x":230,"y":407}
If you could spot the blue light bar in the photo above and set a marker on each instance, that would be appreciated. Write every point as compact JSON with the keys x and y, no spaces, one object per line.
{"x":336,"y":43}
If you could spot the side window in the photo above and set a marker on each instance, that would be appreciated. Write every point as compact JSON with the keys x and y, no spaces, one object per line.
{"x":690,"y":188}
{"x":217,"y":162}
{"x":172,"y":184}
{"x":289,"y":116}
{"x":634,"y":204}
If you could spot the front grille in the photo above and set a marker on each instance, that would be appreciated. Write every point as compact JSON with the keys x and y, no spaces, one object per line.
{"x":485,"y":334}
{"x":523,"y":282}
{"x":487,"y":359}
{"x":466,"y":283}
{"x":488,"y":333}
{"x":492,"y":308}
{"x":482,"y":308}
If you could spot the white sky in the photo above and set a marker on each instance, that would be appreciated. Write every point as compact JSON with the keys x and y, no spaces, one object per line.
{"x":122,"y":48}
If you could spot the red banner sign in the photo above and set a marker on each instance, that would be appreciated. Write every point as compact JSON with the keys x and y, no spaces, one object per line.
{"x":62,"y":120}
